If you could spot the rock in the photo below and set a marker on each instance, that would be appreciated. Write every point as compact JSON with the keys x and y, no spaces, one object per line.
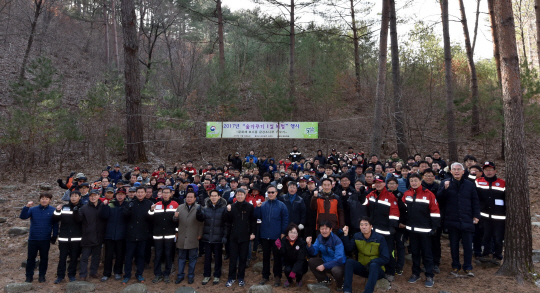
{"x":534,"y":219}
{"x":45,"y":187}
{"x":3,"y":220}
{"x":3,"y":200}
{"x":318,"y":288}
{"x":18,"y":287}
{"x":382,"y":285}
{"x":260,"y":289}
{"x":258,"y":267}
{"x":80,"y":287}
{"x":23,"y":264}
{"x":537,"y":224}
{"x":185,"y":290}
{"x":10,"y":187}
{"x":135,"y":288}
{"x":536,"y":256}
{"x":18,"y":231}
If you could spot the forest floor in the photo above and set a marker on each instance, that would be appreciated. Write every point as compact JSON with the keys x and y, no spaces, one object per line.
{"x":13,"y":251}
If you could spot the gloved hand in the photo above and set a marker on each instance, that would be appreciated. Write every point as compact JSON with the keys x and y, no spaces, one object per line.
{"x":75,"y":208}
{"x":59,"y":181}
{"x":71,"y":174}
{"x":301,"y":227}
{"x":53,"y":239}
{"x":362,"y":189}
{"x":278,"y":243}
{"x":224,"y":240}
{"x":292,"y":275}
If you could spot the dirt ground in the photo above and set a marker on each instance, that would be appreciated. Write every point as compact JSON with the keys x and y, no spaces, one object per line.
{"x":13,"y":252}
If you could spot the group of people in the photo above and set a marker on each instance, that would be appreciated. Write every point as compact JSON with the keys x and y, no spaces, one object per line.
{"x":336,"y":215}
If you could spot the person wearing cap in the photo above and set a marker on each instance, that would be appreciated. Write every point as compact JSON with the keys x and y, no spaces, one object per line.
{"x":320,"y":157}
{"x":190,"y":171}
{"x":492,"y":195}
{"x":236,"y":161}
{"x":39,"y":238}
{"x":115,"y":175}
{"x":109,"y":194}
{"x":93,"y":234}
{"x":274,"y":220}
{"x":438,"y":159}
{"x":344,"y":190}
{"x":69,"y":238}
{"x":328,"y":206}
{"x":132,"y":191}
{"x":115,"y":235}
{"x":461,"y":215}
{"x":190,"y":231}
{"x":136,"y":172}
{"x":69,"y":181}
{"x":137,"y":233}
{"x":84,"y":188}
{"x":230,"y":193}
{"x":163,"y":232}
{"x":294,"y":155}
{"x":423,"y":220}
{"x":384,"y":212}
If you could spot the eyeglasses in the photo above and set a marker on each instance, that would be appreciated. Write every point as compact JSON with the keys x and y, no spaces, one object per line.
{"x":293,"y":232}
{"x":271,"y":192}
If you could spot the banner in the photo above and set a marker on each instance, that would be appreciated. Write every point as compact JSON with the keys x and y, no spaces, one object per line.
{"x":296,"y":130}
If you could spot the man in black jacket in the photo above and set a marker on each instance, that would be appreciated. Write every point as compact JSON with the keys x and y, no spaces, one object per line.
{"x":236,"y":161}
{"x":115,"y":235}
{"x":215,"y":233}
{"x":243,"y":227}
{"x":93,"y":234}
{"x":138,"y":230}
{"x":69,"y":238}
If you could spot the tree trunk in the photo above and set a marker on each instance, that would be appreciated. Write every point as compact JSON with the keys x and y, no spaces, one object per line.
{"x":522,"y":34}
{"x":37,"y":12}
{"x":399,"y":120}
{"x":537,"y":10}
{"x":220,"y":36}
{"x":450,"y":121}
{"x":476,"y":24}
{"x":135,"y":136}
{"x":106,"y":22}
{"x":356,"y":53}
{"x":291,"y":55}
{"x":518,"y":240}
{"x":376,"y":134}
{"x":497,"y":56}
{"x":475,"y":126}
{"x":116,"y":59}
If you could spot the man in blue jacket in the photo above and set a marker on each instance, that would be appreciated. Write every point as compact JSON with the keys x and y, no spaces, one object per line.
{"x":333,"y":256}
{"x":462,"y":213}
{"x":274,"y":220}
{"x":41,"y":226}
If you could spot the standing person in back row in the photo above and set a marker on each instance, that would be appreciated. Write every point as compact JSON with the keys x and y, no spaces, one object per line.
{"x":39,"y":239}
{"x":137,"y":233}
{"x":462,"y":213}
{"x":295,"y":155}
{"x":274,"y":220}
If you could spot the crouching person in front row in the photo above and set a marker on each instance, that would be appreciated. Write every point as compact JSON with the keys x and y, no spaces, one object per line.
{"x":372,"y":254}
{"x":333,"y":256}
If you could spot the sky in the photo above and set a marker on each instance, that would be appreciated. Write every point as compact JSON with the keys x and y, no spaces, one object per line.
{"x":427,"y":10}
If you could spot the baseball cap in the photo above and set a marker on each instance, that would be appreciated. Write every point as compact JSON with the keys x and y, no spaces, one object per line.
{"x":378,"y":178}
{"x":488,"y":164}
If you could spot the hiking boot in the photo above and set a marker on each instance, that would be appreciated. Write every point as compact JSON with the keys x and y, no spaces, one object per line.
{"x":157,"y":279}
{"x":277,"y":281}
{"x":117,"y":277}
{"x":429,"y":282}
{"x":241,"y":283}
{"x":454,"y":272}
{"x":72,"y":279}
{"x":436,"y":270}
{"x":229,"y":283}
{"x":125,"y":281}
{"x":263,"y":281}
{"x":104,"y":279}
{"x":413,"y":278}
{"x":206,"y":280}
{"x":399,"y":272}
{"x":57,"y":281}
{"x":191,"y":280}
{"x":140,"y":279}
{"x":286,"y":284}
{"x":326,"y":282}
{"x":299,"y":284}
{"x":167,"y":279}
{"x":469,"y":273}
{"x":179,"y":280}
{"x":216,"y":281}
{"x":42,"y":279}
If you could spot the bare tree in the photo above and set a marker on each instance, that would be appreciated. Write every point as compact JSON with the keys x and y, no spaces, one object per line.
{"x":106,"y":23}
{"x":518,"y":240}
{"x":475,"y":125}
{"x":376,"y":134}
{"x":450,"y":120}
{"x":135,"y":135}
{"x":495,"y":37}
{"x":221,"y":39}
{"x":38,"y":8}
{"x":116,"y":59}
{"x":398,"y":116}
{"x":476,"y":24}
{"x":537,"y":11}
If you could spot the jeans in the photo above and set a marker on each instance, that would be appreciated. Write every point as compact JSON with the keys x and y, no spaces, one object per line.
{"x":183,"y":254}
{"x":372,"y":273}
{"x":134,"y":249}
{"x":217,"y":250}
{"x":43,"y":247}
{"x":71,"y":249}
{"x":239,"y":252}
{"x":163,"y":248}
{"x":95,"y":252}
{"x":269,"y":246}
{"x":493,"y":233}
{"x":114,"y":250}
{"x":421,"y":250}
{"x":466,"y":239}
{"x":336,"y":271}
